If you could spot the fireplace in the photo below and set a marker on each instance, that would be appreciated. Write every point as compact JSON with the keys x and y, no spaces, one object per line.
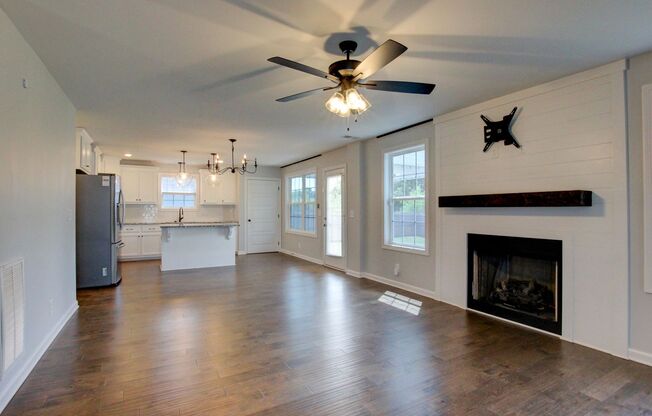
{"x":516,"y":278}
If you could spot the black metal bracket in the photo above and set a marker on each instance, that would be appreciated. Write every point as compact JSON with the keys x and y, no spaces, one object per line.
{"x":498,"y":131}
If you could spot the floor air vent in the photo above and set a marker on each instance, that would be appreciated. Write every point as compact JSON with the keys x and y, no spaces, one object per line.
{"x":12,"y":297}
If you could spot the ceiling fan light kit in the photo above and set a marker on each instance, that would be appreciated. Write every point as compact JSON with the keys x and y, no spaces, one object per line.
{"x":348,"y":74}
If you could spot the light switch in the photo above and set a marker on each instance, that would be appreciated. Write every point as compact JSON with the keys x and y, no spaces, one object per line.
{"x":351,"y":213}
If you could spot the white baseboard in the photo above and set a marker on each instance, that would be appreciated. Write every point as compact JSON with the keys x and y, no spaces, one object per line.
{"x":640,"y":356}
{"x":302,"y":256}
{"x":138,"y":258}
{"x":448,"y":302}
{"x":240,"y":253}
{"x":353,"y":273}
{"x":12,"y":385}
{"x":400,"y":285}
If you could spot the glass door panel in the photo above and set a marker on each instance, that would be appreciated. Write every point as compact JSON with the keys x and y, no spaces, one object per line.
{"x":334,"y":207}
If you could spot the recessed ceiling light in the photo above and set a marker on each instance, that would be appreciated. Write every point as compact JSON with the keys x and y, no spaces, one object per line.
{"x":128,"y":155}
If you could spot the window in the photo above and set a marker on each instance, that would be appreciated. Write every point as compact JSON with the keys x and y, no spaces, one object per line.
{"x":302,"y":203}
{"x":405,"y":197}
{"x":175,"y":196}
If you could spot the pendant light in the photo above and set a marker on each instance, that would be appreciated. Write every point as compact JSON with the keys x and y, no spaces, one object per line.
{"x":182,"y":176}
{"x":213,"y":167}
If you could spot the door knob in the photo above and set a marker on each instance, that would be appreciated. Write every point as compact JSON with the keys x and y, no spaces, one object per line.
{"x":249,"y":220}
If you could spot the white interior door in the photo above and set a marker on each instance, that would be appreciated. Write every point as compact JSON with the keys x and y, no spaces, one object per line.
{"x":335,"y":218}
{"x":263,"y":227}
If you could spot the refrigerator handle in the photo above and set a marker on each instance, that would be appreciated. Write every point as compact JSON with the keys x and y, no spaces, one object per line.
{"x":121,"y":209}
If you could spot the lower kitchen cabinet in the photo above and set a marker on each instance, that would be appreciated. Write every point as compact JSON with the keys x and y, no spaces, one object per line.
{"x":150,"y":244}
{"x":131,"y":245}
{"x":140,"y":242}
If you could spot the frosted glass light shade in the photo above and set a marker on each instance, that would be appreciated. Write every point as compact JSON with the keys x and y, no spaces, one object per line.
{"x":337,"y":105}
{"x":356,"y":102}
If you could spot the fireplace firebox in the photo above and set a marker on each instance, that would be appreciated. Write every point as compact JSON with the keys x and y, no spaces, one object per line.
{"x":516,"y":278}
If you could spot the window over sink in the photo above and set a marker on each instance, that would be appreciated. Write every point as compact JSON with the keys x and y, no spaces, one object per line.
{"x":175,"y":195}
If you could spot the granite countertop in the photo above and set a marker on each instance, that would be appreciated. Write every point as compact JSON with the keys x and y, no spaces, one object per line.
{"x":200,"y":224}
{"x":187,"y":223}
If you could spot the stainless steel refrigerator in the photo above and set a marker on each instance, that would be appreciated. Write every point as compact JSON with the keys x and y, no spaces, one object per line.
{"x":100,"y":215}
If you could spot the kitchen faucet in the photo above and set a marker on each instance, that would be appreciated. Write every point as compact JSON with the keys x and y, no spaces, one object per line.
{"x":180,"y":214}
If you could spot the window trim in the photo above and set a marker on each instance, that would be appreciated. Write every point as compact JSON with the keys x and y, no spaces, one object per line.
{"x":386,"y":156}
{"x":160,"y":192}
{"x":288,"y":201}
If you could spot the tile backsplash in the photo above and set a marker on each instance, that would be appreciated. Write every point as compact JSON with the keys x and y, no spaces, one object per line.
{"x":153,"y":214}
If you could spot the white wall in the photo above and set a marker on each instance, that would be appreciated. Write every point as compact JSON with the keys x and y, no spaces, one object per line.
{"x":365,"y":253}
{"x":639,"y":74}
{"x":37,"y":184}
{"x":574,"y":137}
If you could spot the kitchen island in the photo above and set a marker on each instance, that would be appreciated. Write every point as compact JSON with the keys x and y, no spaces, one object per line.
{"x":197,"y":245}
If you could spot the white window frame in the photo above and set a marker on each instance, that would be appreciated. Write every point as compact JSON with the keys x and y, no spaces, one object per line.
{"x":160,"y":191}
{"x":288,"y":202}
{"x":387,"y":198}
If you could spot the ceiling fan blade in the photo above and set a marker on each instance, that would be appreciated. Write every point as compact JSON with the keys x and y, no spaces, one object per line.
{"x":303,"y":68}
{"x":380,"y":57}
{"x":304,"y":94}
{"x":399,"y":86}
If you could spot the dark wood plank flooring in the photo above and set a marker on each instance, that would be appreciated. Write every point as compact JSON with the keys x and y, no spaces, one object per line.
{"x":278,"y":336}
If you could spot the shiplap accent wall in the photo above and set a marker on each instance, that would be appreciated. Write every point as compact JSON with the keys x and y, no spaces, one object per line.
{"x":573,"y":136}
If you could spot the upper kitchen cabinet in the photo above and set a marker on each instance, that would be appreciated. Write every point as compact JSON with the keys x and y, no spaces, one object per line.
{"x":85,"y":154}
{"x":221,"y":191}
{"x":139,"y":184}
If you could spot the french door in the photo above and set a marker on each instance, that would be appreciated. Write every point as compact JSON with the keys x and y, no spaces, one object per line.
{"x":335,"y":218}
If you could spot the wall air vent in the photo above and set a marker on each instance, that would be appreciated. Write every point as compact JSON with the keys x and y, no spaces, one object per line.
{"x":12,"y":297}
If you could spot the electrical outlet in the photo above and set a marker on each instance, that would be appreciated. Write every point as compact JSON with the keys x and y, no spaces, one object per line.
{"x":397,"y":269}
{"x":51,"y":306}
{"x":104,"y":271}
{"x":299,"y":245}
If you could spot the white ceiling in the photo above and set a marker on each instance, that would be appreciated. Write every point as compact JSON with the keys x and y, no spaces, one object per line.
{"x":151,"y":77}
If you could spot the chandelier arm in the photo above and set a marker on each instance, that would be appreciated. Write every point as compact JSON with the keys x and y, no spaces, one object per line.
{"x":244,"y":168}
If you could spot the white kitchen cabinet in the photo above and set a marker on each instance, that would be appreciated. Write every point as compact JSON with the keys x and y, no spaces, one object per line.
{"x":139,"y":184}
{"x":228,"y":192}
{"x":149,"y":186}
{"x":131,"y":245}
{"x":85,"y":155}
{"x":208,"y":190}
{"x":150,"y":244}
{"x":140,"y":242}
{"x":223,"y":191}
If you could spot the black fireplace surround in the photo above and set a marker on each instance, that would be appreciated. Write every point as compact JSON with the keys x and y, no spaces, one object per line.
{"x":516,"y":278}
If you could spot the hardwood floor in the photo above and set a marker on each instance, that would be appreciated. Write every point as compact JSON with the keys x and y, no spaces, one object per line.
{"x":279,"y":336}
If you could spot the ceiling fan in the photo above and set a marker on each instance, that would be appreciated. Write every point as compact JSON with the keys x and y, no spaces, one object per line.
{"x":350,"y":74}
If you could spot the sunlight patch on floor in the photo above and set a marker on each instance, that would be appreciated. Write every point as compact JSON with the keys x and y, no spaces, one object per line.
{"x":401,"y":302}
